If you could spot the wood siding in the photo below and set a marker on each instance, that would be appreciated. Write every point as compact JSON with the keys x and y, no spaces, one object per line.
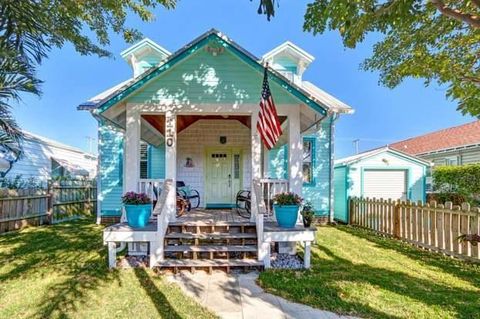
{"x":465,"y":156}
{"x":278,"y":159}
{"x":36,"y":161}
{"x":156,"y":162}
{"x":203,"y":78}
{"x":317,"y":192}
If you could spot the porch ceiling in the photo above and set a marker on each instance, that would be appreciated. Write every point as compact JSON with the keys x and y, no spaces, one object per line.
{"x":184,"y":121}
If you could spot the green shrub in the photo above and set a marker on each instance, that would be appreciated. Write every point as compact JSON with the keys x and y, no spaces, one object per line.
{"x":443,"y":197}
{"x":19,"y":182}
{"x":462,"y":180}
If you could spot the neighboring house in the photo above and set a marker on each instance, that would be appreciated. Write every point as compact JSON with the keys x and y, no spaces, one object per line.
{"x":43,"y":158}
{"x":191,"y":116}
{"x":380,"y":173}
{"x":457,"y":145}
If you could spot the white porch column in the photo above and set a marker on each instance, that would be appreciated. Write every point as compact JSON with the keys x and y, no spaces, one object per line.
{"x":171,"y":157}
{"x":256,"y":160}
{"x":295,"y":151}
{"x":266,"y":163}
{"x":132,"y":150}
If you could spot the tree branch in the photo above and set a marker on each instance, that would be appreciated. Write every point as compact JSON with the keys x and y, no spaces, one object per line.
{"x":476,"y":2}
{"x":474,"y":239}
{"x":471,"y":19}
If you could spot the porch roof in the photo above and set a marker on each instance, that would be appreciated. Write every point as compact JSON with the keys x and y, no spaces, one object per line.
{"x":307,"y":95}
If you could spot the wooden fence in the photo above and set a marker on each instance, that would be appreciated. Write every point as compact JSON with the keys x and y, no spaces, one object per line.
{"x":63,"y":200}
{"x":72,"y":198}
{"x":432,"y":226}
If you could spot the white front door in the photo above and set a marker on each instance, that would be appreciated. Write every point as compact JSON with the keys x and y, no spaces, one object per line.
{"x":385,"y":183}
{"x":222,"y":177}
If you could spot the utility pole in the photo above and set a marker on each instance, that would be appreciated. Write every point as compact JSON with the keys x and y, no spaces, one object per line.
{"x":355,"y":144}
{"x":90,"y":141}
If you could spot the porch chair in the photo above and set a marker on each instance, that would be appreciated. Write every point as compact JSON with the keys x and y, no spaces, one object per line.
{"x":192,"y":196}
{"x":244,"y":203}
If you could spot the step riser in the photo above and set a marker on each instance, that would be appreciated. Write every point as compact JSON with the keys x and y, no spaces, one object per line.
{"x":209,"y":269}
{"x":212,"y":229}
{"x":210,"y":255}
{"x":210,"y":242}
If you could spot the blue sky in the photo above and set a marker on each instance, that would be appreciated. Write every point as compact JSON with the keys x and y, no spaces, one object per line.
{"x":381,"y":115}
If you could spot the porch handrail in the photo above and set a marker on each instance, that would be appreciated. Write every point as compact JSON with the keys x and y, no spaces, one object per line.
{"x":269,"y":188}
{"x":163,"y":212}
{"x":148,"y":186}
{"x":263,"y":249}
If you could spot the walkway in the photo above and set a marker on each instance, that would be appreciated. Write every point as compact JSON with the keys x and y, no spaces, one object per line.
{"x":239,"y":297}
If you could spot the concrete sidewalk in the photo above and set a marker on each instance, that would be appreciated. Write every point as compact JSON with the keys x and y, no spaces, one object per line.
{"x":239,"y":297}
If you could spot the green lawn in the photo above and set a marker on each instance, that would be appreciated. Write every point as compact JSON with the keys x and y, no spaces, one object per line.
{"x":359,"y":273}
{"x":61,"y":271}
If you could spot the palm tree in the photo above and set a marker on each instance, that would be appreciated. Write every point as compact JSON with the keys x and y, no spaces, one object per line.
{"x":16,"y":77}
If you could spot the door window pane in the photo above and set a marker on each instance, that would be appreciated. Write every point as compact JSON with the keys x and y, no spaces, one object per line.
{"x":236,"y":166}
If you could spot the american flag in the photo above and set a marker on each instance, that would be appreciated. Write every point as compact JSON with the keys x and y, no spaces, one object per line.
{"x":268,"y":124}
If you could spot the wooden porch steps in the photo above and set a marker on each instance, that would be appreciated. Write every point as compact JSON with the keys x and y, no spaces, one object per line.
{"x":177,"y":235}
{"x":209,"y":245}
{"x":211,"y":248}
{"x":209,"y":223}
{"x":210,"y":264}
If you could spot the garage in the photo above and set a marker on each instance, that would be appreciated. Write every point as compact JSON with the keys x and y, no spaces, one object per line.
{"x":385,"y":183}
{"x":382,"y":173}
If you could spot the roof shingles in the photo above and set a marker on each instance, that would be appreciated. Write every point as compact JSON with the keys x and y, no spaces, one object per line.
{"x":453,"y":137}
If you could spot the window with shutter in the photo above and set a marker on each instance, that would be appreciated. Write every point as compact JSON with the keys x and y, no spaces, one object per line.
{"x":143,"y":160}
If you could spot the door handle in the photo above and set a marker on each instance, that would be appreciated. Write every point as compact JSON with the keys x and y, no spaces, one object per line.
{"x":229,"y":180}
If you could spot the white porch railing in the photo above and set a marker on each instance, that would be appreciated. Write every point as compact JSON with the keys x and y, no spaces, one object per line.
{"x":151,"y":187}
{"x":258,"y":208}
{"x":165,"y":212}
{"x":268,"y":189}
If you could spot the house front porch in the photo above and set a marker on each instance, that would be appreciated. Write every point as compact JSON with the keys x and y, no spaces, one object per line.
{"x":206,"y":238}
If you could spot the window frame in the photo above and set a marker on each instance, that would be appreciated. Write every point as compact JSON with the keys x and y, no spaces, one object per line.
{"x":313,"y":142}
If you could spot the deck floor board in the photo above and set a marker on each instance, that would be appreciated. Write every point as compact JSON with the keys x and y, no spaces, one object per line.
{"x":212,"y":217}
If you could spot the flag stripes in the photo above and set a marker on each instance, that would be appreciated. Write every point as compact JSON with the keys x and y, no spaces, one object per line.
{"x":268,"y":124}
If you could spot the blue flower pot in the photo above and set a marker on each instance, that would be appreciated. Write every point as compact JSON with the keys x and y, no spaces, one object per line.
{"x":286,"y":215}
{"x":138,"y":215}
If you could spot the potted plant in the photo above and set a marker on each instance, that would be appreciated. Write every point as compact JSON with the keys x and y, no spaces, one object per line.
{"x":308,"y":214}
{"x":138,"y":207}
{"x":286,"y":206}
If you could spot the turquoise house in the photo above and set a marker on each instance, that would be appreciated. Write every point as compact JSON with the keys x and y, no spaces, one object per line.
{"x":382,"y":173}
{"x":191,"y":116}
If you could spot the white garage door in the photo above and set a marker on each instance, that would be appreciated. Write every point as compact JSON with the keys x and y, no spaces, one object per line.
{"x":385,"y":184}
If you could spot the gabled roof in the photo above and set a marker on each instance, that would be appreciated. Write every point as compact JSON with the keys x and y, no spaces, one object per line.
{"x":145,"y":43}
{"x":113,"y":96}
{"x":361,"y":156}
{"x":289,"y":47}
{"x":446,"y":139}
{"x":334,"y":104}
{"x":93,"y":101}
{"x":44,"y":140}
